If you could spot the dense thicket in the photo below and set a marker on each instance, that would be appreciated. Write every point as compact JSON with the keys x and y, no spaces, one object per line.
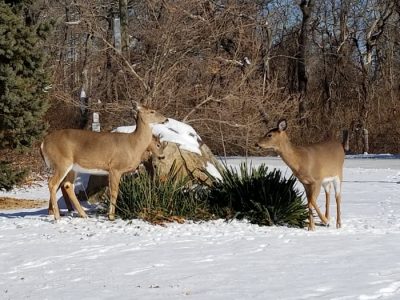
{"x":228,"y":67}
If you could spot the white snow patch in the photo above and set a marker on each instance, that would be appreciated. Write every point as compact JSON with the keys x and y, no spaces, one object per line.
{"x":213,"y":171}
{"x":83,"y":94}
{"x":125,"y":129}
{"x":172,"y":131}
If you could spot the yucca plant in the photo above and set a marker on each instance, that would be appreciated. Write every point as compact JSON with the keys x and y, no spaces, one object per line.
{"x":262,"y":197}
{"x":158,"y":200}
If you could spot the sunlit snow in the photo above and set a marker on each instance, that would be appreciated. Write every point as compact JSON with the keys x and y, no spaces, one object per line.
{"x":172,"y":131}
{"x":97,"y":259}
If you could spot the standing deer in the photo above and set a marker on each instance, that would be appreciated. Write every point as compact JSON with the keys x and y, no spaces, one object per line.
{"x":154,"y":151}
{"x":100,"y":153}
{"x":313,"y":165}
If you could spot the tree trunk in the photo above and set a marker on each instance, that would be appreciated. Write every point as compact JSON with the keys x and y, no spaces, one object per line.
{"x":123,"y":13}
{"x":302,"y":79}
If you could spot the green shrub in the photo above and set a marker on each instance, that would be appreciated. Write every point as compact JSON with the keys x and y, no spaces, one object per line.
{"x":9,"y":177}
{"x":158,"y":200}
{"x":262,"y":197}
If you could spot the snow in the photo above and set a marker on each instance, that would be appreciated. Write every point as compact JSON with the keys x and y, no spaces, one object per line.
{"x":98,"y":259}
{"x":212,"y":170}
{"x":83,"y":94}
{"x":172,"y":131}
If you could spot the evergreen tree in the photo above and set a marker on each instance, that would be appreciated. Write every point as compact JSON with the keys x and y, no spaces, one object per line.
{"x":8,"y":176}
{"x":22,"y":80}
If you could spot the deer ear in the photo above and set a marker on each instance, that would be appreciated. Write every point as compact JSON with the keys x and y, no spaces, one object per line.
{"x":136,"y":106}
{"x":282,"y":125}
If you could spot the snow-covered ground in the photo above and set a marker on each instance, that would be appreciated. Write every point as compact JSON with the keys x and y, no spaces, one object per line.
{"x":98,"y":259}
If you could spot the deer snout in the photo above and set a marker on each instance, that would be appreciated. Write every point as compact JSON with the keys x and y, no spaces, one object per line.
{"x":257,"y":145}
{"x":161,"y":156}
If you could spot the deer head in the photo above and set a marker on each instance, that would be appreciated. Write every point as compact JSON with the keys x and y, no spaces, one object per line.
{"x":274,"y":138}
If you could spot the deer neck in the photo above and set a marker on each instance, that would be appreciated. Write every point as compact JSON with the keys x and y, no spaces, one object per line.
{"x":290,"y":155}
{"x":142,"y":135}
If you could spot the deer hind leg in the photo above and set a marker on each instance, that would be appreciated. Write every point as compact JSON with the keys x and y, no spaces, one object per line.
{"x":327,"y":188}
{"x":68,"y":186}
{"x":69,"y":179}
{"x":66,"y":196}
{"x":54,"y":184}
{"x":114,"y":178}
{"x":338,"y":195}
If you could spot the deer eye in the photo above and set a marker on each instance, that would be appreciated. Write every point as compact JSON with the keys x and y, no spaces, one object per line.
{"x":269,"y":135}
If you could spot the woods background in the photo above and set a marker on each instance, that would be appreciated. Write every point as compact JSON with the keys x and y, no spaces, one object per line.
{"x":230,"y":69}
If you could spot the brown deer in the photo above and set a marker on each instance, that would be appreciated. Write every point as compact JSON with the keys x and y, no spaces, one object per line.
{"x":101,"y":153}
{"x":313,"y":165}
{"x":154,"y":151}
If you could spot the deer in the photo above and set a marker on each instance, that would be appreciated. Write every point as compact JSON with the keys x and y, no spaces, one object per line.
{"x":314,"y":165}
{"x":101,"y":153}
{"x":154,"y":151}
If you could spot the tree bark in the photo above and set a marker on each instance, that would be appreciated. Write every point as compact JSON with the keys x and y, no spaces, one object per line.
{"x":123,"y":13}
{"x":302,"y":79}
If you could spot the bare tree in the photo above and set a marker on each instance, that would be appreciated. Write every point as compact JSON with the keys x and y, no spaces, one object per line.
{"x":227,"y":66}
{"x":306,"y":7}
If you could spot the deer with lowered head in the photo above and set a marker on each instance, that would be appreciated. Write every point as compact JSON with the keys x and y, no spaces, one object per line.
{"x":101,"y":153}
{"x":315,"y":165}
{"x":154,"y":151}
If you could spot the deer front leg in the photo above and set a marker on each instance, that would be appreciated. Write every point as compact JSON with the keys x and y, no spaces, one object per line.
{"x":311,"y":225}
{"x":316,"y":188}
{"x":312,"y":191}
{"x":50,"y":210}
{"x":114,"y":178}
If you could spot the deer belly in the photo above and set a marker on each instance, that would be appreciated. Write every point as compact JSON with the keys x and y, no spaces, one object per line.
{"x":79,"y":169}
{"x":334,"y":180}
